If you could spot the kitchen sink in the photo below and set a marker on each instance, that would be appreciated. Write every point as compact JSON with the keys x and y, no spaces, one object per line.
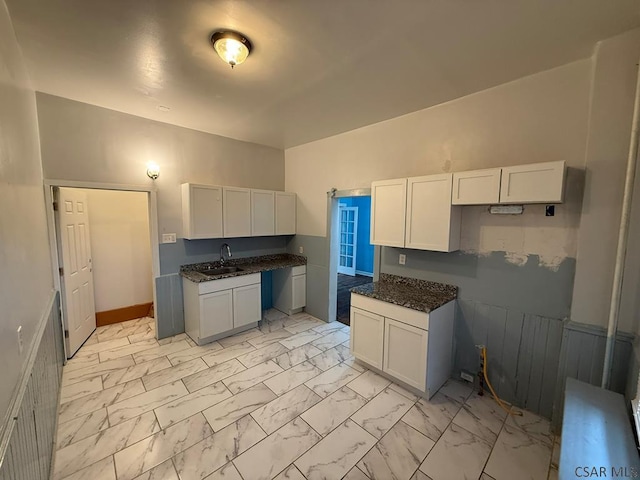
{"x":221,"y":270}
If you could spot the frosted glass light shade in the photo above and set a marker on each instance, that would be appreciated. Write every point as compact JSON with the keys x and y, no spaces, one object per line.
{"x":231,"y":47}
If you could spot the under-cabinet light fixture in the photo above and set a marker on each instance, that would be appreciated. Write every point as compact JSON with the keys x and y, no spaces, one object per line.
{"x":506,"y":209}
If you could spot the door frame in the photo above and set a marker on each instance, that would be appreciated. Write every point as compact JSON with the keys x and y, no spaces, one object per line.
{"x":152,"y":200}
{"x":333,"y":230}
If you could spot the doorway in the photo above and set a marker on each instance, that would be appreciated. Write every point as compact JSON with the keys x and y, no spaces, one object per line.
{"x":115,"y":238}
{"x":354,"y":252}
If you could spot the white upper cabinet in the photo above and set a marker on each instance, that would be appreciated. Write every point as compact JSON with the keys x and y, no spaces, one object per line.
{"x":262,"y":213}
{"x":431,"y":222}
{"x":285,"y":213}
{"x":477,"y":187}
{"x":201,"y":211}
{"x":535,"y":183}
{"x":236,"y":204}
{"x":388,"y":209}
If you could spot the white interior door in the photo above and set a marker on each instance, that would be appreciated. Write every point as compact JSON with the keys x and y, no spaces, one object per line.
{"x":348,"y":240}
{"x":77,"y":274}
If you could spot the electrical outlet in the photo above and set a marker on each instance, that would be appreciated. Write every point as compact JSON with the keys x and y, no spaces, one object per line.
{"x":550,"y":210}
{"x":168,"y":238}
{"x":301,"y":249}
{"x":402,"y":259}
{"x":20,"y":341}
{"x":466,"y":376}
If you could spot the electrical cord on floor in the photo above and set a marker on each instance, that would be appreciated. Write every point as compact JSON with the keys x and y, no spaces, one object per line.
{"x":509,"y":410}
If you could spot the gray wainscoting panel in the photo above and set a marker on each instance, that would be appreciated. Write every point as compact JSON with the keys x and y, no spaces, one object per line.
{"x":317,"y":253}
{"x":184,"y":252}
{"x":582,"y":357}
{"x":26,"y":450}
{"x":170,"y":309}
{"x":632,"y":374}
{"x":522,"y":352}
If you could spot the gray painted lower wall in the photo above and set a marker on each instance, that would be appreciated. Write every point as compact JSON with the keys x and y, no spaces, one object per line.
{"x":316,"y":249}
{"x":169,"y":309}
{"x":27,"y":442}
{"x":582,"y":357}
{"x":184,"y":252}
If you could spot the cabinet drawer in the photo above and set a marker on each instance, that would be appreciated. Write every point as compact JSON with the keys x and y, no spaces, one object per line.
{"x":227,"y":283}
{"x":389,"y":310}
{"x":298,"y":270}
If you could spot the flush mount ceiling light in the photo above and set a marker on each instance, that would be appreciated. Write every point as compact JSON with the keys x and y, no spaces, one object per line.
{"x":232,"y":47}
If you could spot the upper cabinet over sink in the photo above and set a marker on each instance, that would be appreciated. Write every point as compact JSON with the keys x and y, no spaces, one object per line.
{"x":415,"y":213}
{"x":230,"y":212}
{"x":533,"y":183}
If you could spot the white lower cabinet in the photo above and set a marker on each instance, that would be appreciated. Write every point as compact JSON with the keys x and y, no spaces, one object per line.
{"x":367,"y":332}
{"x":290,"y":289}
{"x":247,"y":305}
{"x":216,"y":312}
{"x":410,"y":346}
{"x":222,"y":307}
{"x":405,"y":353}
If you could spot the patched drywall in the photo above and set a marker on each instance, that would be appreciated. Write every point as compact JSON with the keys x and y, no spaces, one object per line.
{"x":25,"y":262}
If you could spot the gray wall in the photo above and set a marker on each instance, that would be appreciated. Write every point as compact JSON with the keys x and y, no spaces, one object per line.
{"x":316,"y":249}
{"x":26,"y":446}
{"x":26,"y":280}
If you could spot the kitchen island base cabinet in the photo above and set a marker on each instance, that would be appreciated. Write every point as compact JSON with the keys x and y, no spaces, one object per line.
{"x":407,"y":345}
{"x":220,"y":308}
{"x":290,"y":289}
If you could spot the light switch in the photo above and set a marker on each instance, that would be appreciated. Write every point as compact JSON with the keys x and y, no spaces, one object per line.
{"x":168,"y":238}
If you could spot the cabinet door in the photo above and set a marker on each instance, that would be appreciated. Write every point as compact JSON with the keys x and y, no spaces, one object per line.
{"x":299,"y":293}
{"x":405,"y":353}
{"x":367,"y":332}
{"x":432,"y":223}
{"x":285,"y":213}
{"x":201,"y":211}
{"x":478,"y":187}
{"x":535,"y":183}
{"x":247,"y":305}
{"x":237,"y":212}
{"x":216,"y":313}
{"x":263,"y":213}
{"x":388,"y":208}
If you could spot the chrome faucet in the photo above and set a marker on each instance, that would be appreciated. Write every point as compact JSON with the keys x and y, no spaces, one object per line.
{"x":222,"y":252}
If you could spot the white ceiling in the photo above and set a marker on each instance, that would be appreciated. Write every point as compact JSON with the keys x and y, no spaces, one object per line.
{"x":319,"y":67}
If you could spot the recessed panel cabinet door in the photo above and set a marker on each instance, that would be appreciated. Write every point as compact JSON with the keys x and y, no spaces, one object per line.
{"x":405,"y":353}
{"x":237,"y":212}
{"x":299,"y":291}
{"x":247,"y":305}
{"x":262,"y":213}
{"x":477,"y":187}
{"x":285,"y":213}
{"x":535,"y":183}
{"x":216,"y":313}
{"x":367,"y":332}
{"x":201,"y":211}
{"x":388,"y":208}
{"x":432,"y":223}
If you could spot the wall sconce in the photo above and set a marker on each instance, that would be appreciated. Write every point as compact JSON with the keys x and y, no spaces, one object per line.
{"x":153,"y":170}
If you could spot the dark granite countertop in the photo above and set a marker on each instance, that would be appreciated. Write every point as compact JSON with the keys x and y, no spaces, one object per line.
{"x":249,"y":265}
{"x":421,"y":295}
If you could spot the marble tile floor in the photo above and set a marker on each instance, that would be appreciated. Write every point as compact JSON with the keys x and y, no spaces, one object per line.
{"x":285,"y":400}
